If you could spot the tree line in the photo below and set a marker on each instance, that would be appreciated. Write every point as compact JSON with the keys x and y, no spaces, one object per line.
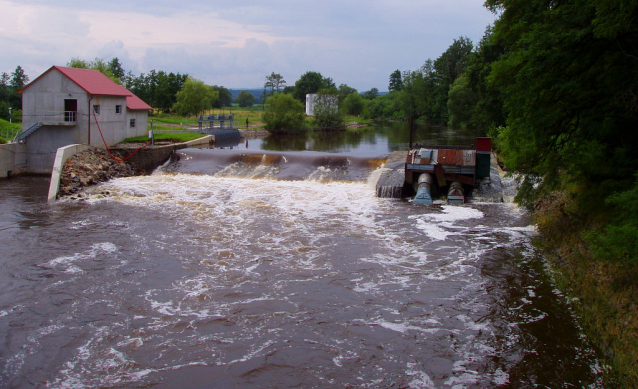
{"x":10,"y":99}
{"x":555,"y":84}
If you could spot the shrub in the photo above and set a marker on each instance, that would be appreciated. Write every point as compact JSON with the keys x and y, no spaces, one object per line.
{"x":284,"y":113}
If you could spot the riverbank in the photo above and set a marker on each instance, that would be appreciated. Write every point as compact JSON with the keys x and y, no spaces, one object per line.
{"x":603,"y":294}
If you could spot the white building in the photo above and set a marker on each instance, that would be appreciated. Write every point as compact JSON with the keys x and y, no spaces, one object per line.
{"x":65,"y":106}
{"x":311,"y":101}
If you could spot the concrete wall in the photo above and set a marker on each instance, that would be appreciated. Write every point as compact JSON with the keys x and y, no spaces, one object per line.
{"x":43,"y":102}
{"x":13,"y":159}
{"x":62,"y":155}
{"x":112,"y":124}
{"x":151,"y":157}
{"x":44,"y":99}
{"x":43,"y":144}
{"x":310,"y":104}
{"x":141,"y":124}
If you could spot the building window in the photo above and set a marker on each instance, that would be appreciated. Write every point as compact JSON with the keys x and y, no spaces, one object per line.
{"x":96,"y":109}
{"x":118,"y":109}
{"x":132,"y":123}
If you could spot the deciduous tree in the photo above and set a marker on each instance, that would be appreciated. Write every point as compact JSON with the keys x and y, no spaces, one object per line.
{"x":194,"y":98}
{"x":353,"y":104}
{"x":284,"y":113}
{"x":245,"y":99}
{"x":275,"y":83}
{"x":326,"y":109}
{"x":311,"y":82}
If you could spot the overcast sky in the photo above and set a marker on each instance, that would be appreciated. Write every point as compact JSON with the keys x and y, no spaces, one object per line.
{"x":236,"y":44}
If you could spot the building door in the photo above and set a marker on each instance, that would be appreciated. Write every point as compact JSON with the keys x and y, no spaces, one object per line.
{"x":70,"y":110}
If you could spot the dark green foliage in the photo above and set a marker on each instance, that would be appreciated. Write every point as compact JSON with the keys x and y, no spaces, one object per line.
{"x":371,"y":94}
{"x":115,"y":67}
{"x":19,"y":78}
{"x":424,"y":92}
{"x":353,"y":104}
{"x":345,"y":91}
{"x":487,"y":113}
{"x":326,"y":110}
{"x":245,"y":99}
{"x":311,"y":82}
{"x":274,"y":84}
{"x":194,"y":98}
{"x":383,"y":107}
{"x":225,"y":98}
{"x":158,"y":89}
{"x":570,"y":94}
{"x":284,"y":113}
{"x":9,"y":96}
{"x":461,"y":102}
{"x":618,"y":239}
{"x":396,"y":81}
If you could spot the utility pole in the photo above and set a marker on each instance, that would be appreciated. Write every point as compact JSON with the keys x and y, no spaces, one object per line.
{"x":9,"y":114}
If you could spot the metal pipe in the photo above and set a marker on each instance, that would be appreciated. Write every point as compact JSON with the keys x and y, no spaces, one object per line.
{"x":89,"y":142}
{"x":424,"y":189}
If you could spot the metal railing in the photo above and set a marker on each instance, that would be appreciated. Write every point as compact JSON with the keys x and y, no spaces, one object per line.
{"x":58,"y":116}
{"x":10,"y":133}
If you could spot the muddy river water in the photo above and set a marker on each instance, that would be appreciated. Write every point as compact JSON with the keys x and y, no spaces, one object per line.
{"x":234,"y":278}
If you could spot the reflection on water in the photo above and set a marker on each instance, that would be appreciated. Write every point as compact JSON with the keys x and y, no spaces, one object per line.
{"x":382,"y":138}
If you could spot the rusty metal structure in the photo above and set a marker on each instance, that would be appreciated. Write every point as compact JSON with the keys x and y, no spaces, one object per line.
{"x":452,"y":170}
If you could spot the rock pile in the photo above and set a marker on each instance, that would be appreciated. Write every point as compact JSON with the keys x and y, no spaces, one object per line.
{"x":91,"y":167}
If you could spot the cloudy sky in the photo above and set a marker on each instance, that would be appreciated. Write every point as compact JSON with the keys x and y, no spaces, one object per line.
{"x":236,"y":44}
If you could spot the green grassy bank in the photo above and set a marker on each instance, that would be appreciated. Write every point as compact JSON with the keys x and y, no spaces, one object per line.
{"x":604,"y":294}
{"x":8,"y":130}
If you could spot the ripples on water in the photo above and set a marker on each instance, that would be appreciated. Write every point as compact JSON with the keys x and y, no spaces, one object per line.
{"x":182,"y":280}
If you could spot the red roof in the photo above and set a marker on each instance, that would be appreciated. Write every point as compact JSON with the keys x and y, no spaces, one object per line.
{"x":135,"y":103}
{"x":96,"y":83}
{"x":93,"y":81}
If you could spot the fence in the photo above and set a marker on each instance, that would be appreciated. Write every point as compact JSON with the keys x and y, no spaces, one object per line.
{"x":11,"y":132}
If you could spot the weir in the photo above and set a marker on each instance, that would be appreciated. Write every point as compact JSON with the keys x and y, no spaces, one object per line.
{"x":276,"y":165}
{"x":386,"y":172}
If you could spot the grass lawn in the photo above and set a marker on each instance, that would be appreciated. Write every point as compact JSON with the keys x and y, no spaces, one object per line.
{"x":8,"y":130}
{"x":173,"y":137}
{"x":172,"y":122}
{"x":163,"y":121}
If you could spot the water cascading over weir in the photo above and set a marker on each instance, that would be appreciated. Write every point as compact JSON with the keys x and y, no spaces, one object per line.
{"x":305,"y":165}
{"x":385,"y":174}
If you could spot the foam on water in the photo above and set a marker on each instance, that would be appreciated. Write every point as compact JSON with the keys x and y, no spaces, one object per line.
{"x":273,"y":278}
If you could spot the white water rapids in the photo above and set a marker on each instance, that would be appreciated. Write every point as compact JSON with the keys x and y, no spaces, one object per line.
{"x":193,"y":280}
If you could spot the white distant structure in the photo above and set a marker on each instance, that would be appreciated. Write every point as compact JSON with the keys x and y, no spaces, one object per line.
{"x":310,"y":104}
{"x":311,"y":101}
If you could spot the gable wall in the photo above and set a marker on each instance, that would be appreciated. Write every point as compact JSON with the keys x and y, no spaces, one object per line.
{"x":43,"y":101}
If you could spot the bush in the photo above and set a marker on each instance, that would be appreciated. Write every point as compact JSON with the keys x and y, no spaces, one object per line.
{"x":284,"y":113}
{"x":326,"y":111}
{"x":618,"y":240}
{"x":245,"y":99}
{"x":354,"y":104}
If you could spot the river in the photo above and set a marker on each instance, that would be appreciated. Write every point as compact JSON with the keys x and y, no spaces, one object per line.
{"x":257,"y":275}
